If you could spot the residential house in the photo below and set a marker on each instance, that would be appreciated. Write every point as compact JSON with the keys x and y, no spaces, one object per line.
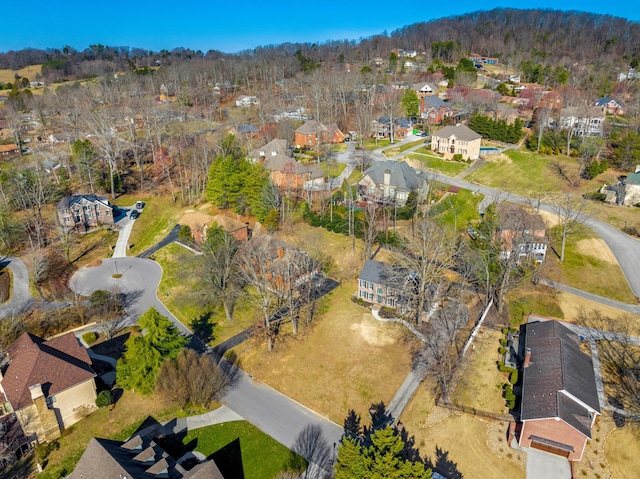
{"x":456,"y":140}
{"x":424,"y":89}
{"x":559,"y":402}
{"x":475,"y":58}
{"x":611,"y":106}
{"x":313,"y":134}
{"x":390,"y":182}
{"x":10,"y":149}
{"x":294,"y":113}
{"x":383,"y":128}
{"x":631,"y":187}
{"x":49,"y":385}
{"x":585,"y":120}
{"x":434,"y":110}
{"x":286,"y":172}
{"x":85,"y":211}
{"x":380,"y":285}
{"x":245,"y":101}
{"x":378,"y":61}
{"x":139,"y":457}
{"x":521,"y":233}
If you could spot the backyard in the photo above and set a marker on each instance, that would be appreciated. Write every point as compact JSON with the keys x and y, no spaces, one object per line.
{"x":421,"y":159}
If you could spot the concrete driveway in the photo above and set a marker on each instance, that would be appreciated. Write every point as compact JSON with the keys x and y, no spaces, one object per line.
{"x":21,"y":299}
{"x":543,"y":465}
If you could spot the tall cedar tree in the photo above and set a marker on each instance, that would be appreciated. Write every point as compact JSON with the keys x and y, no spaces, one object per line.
{"x":144,"y":353}
{"x":236,"y":183}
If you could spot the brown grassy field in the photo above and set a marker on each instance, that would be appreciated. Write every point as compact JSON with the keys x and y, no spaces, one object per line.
{"x":480,"y":386}
{"x":30,"y":72}
{"x":622,"y":452}
{"x":347,"y":360}
{"x":470,"y":442}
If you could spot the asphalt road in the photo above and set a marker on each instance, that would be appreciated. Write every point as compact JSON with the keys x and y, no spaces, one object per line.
{"x":625,"y":248}
{"x":21,"y":299}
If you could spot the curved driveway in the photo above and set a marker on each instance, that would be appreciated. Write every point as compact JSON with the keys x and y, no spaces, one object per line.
{"x":21,"y":299}
{"x":625,"y":248}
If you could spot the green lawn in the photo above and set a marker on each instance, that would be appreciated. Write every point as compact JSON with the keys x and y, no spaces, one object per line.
{"x":400,"y":148}
{"x":449,"y":168}
{"x":241,"y":450}
{"x":182,"y":292}
{"x":459,"y":209}
{"x":584,"y":271}
{"x":522,"y":172}
{"x":159,"y":216}
{"x":332,"y":168}
{"x":372,"y":144}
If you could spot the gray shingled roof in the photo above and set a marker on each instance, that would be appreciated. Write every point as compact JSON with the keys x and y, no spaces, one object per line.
{"x":107,"y":458}
{"x":558,"y":372}
{"x":434,"y":102}
{"x":403,"y":177}
{"x":68,"y":201}
{"x":461,"y":132}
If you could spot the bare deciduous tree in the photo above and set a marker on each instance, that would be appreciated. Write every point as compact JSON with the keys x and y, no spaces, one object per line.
{"x":570,"y":210}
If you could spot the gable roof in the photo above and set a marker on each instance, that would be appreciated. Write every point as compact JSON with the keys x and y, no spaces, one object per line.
{"x":434,"y":102}
{"x":375,"y":272}
{"x":68,"y":201}
{"x":605,"y":100}
{"x":143,"y":459}
{"x":403,"y":177}
{"x":460,"y":132}
{"x":57,"y":364}
{"x":582,"y":112}
{"x":312,"y":127}
{"x":273,"y":148}
{"x":559,"y":381}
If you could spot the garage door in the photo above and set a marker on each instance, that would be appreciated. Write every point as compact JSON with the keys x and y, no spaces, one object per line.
{"x":560,"y":451}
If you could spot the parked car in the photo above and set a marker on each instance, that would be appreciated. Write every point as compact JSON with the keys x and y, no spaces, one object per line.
{"x":139,"y":205}
{"x":134,"y":214}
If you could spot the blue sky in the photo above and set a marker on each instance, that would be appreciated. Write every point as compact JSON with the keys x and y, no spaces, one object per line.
{"x":231,"y":26}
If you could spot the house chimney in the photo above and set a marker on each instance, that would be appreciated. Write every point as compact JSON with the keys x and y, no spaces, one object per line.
{"x":387,"y":177}
{"x":637,"y":168}
{"x":527,"y":358}
{"x":36,"y":391}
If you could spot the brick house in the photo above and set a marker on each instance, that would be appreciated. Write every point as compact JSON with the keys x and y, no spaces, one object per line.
{"x":434,"y":110}
{"x":378,"y":285}
{"x":138,"y":457}
{"x":611,"y":106}
{"x":313,"y":133}
{"x":559,"y":402}
{"x":456,"y":140}
{"x":521,"y":233}
{"x":84,"y":211}
{"x":382,"y":128}
{"x":50,"y":385}
{"x":584,"y":121}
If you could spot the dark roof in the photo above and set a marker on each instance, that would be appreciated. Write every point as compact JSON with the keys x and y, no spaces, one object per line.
{"x":633,"y":178}
{"x":375,"y":272}
{"x":68,"y":201}
{"x":461,"y":132}
{"x":142,"y":459}
{"x":605,"y":100}
{"x":434,"y":102}
{"x":57,"y":364}
{"x":246,"y":129}
{"x":559,"y":381}
{"x":403,"y":177}
{"x":513,"y":217}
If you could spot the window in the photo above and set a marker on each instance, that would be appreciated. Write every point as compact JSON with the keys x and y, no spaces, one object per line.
{"x":379,"y":299}
{"x":379,"y":291}
{"x":370,"y":296}
{"x":89,"y":215}
{"x":363,"y":294}
{"x":389,"y":301}
{"x":363,"y":283}
{"x":370,"y":285}
{"x":50,"y":400}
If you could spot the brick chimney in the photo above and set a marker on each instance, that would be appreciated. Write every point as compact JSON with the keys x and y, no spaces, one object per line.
{"x":280,"y":252}
{"x":527,"y":358}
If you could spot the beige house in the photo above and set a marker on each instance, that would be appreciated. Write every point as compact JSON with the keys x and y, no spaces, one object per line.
{"x":456,"y":140}
{"x":50,"y":385}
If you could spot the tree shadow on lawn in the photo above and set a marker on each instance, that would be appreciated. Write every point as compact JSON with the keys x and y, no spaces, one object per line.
{"x":229,"y":459}
{"x":443,"y":465}
{"x":114,"y":348}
